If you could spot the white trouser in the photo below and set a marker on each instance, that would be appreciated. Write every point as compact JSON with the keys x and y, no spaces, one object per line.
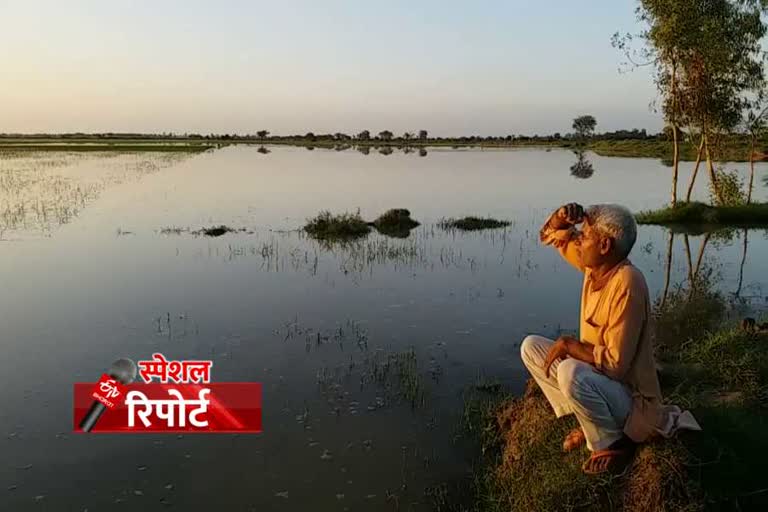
{"x":600,"y":403}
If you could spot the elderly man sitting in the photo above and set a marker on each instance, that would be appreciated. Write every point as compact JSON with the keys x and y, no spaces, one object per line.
{"x":607,"y":378}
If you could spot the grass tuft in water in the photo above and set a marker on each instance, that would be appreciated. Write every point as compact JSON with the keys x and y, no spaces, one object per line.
{"x":472,"y":223}
{"x":345,"y":226}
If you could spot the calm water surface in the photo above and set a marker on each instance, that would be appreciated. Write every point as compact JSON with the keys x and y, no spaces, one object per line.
{"x":89,"y":275}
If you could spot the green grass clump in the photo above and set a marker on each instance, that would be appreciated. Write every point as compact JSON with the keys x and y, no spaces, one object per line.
{"x":472,"y":223}
{"x":345,"y":226}
{"x":396,"y":222}
{"x":695,"y":213}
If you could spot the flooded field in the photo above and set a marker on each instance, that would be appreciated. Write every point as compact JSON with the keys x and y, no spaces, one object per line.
{"x":365,"y":349}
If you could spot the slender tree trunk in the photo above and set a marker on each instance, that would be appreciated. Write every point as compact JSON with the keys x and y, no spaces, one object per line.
{"x":712,"y":175}
{"x":675,"y":141}
{"x":751,"y":168}
{"x":695,"y":171}
{"x":675,"y":164}
{"x":668,"y":270}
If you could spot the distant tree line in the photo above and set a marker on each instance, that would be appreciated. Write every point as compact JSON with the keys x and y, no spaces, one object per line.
{"x":384,"y":136}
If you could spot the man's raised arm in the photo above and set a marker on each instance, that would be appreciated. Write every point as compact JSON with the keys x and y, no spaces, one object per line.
{"x":559,"y":231}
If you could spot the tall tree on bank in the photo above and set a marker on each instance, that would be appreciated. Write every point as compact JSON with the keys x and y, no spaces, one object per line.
{"x":707,"y":60}
{"x":755,"y":125}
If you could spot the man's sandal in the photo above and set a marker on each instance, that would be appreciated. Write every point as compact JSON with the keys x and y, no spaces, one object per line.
{"x":574,"y":439}
{"x":608,"y":461}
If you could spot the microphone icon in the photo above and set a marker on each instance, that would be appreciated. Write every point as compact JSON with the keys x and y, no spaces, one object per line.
{"x":123,"y":371}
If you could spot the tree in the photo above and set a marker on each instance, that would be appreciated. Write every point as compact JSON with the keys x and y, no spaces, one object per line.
{"x":584,"y":126}
{"x":407,"y":136}
{"x":310,"y":136}
{"x":364,"y":135}
{"x":707,"y":61}
{"x":755,"y":125}
{"x":423,"y":135}
{"x":385,"y":135}
{"x":262,"y":134}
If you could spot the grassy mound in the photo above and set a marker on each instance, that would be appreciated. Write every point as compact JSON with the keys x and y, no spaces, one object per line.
{"x":712,"y":367}
{"x":694,"y":213}
{"x":345,"y":226}
{"x":472,"y":223}
{"x":396,"y":222}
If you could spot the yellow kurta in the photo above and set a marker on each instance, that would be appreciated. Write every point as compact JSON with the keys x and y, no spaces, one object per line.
{"x":616,"y":318}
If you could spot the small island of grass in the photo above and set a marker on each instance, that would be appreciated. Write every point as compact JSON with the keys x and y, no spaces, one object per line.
{"x":396,"y":222}
{"x":472,"y":223}
{"x":344,"y":226}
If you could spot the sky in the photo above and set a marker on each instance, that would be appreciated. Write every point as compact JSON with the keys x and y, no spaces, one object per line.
{"x":490,"y":67}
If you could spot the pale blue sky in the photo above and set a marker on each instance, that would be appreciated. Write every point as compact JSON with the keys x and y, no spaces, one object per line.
{"x":453,"y":68}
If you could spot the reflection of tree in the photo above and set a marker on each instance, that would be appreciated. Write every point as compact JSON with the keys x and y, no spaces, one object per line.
{"x":743,"y":260}
{"x":422,"y":152}
{"x":582,"y":168}
{"x":364,"y":149}
{"x":694,"y":271}
{"x":668,"y":268}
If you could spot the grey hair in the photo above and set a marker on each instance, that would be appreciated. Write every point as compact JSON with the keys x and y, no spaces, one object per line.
{"x":616,"y":222}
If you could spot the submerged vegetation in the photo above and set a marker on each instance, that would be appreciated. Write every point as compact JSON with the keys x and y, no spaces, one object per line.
{"x":708,"y":363}
{"x":472,"y":223}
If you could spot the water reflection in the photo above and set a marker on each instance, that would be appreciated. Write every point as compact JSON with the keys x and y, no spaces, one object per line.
{"x":582,"y":168}
{"x":363,"y":382}
{"x":718,"y":240}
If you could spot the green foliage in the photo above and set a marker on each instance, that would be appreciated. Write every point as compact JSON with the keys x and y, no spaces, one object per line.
{"x":730,"y":187}
{"x":687,"y":314}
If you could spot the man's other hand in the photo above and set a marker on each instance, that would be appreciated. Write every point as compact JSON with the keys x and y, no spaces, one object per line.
{"x":558,"y":351}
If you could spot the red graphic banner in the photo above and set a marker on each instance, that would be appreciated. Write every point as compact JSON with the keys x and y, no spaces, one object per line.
{"x":233,"y":407}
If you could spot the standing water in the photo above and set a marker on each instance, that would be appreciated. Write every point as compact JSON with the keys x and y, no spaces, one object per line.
{"x":364,"y":349}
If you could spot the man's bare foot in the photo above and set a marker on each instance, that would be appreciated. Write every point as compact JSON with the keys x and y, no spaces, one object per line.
{"x":574,"y":439}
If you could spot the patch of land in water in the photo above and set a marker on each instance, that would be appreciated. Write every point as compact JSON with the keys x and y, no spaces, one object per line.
{"x":702,"y":215}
